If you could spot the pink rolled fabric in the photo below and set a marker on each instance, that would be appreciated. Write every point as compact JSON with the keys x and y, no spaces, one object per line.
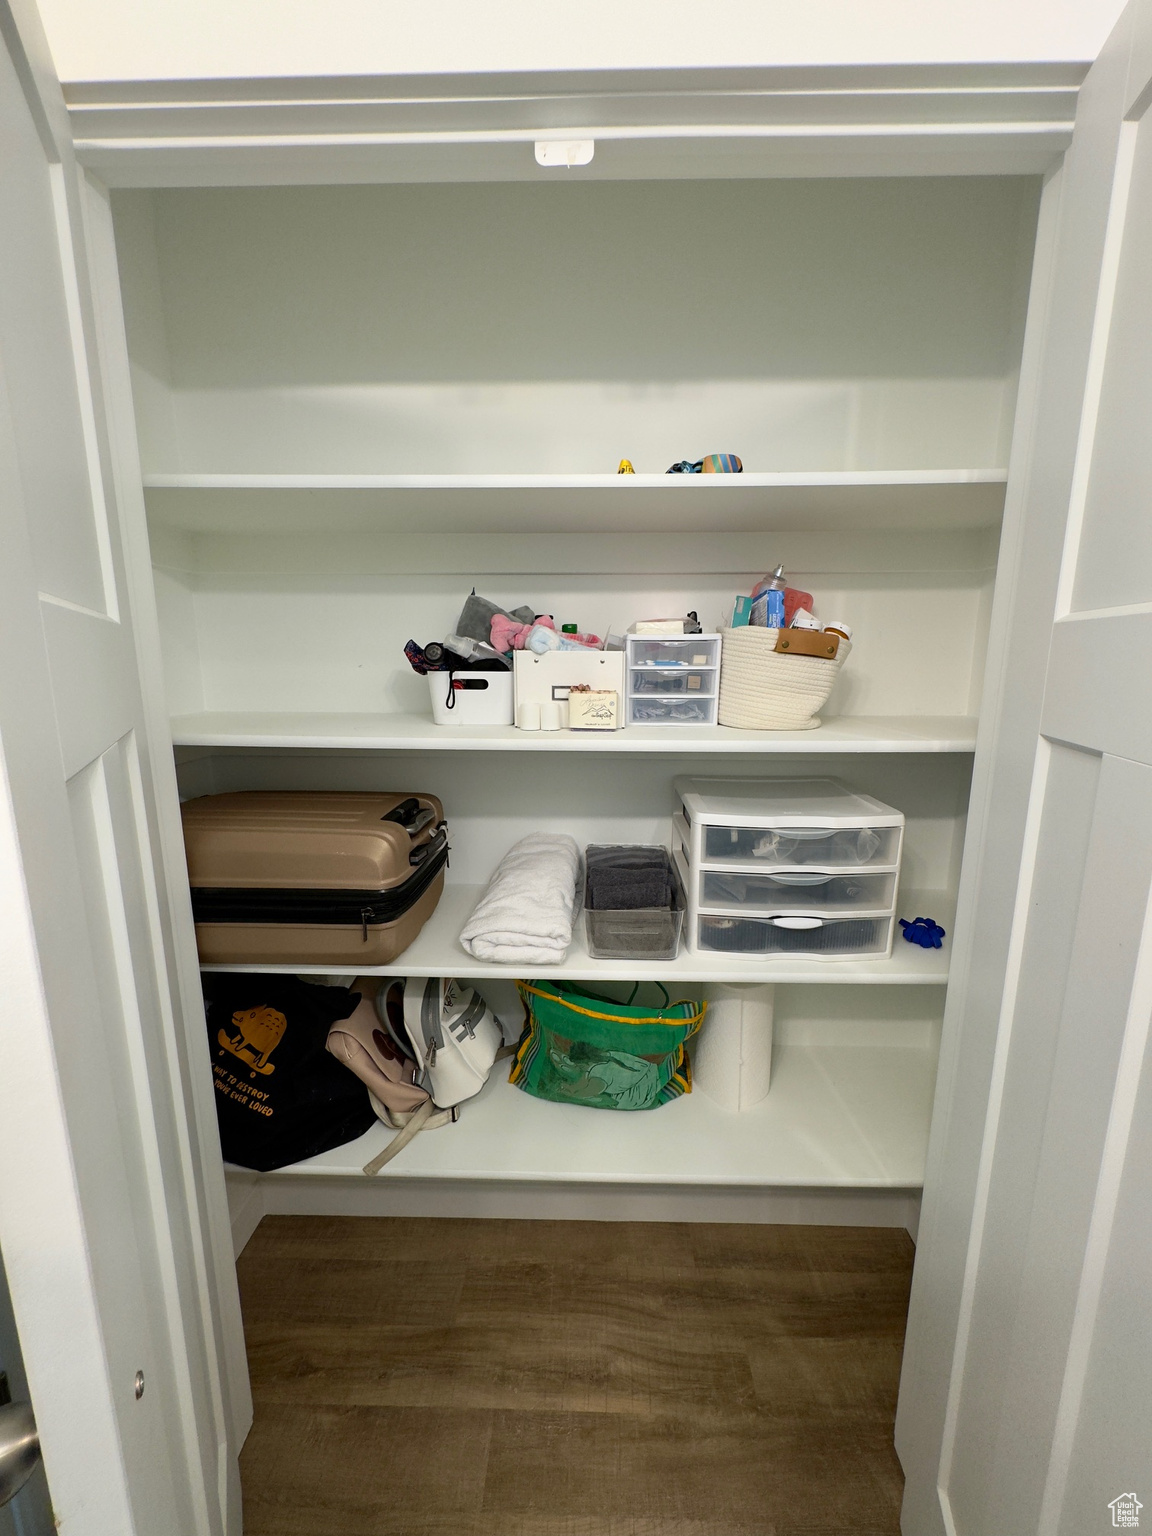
{"x":508,"y":635}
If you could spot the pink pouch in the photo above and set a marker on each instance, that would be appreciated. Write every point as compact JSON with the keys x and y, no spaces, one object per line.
{"x":362,"y":1045}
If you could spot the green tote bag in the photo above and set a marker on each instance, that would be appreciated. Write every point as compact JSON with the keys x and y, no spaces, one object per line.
{"x":579,"y":1047}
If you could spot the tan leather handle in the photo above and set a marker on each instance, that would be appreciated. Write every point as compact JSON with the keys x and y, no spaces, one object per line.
{"x":808,"y":642}
{"x":402,"y":1138}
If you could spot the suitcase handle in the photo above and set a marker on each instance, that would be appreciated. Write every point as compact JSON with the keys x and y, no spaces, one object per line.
{"x":418,"y":855}
{"x":411,"y":815}
{"x":405,"y":813}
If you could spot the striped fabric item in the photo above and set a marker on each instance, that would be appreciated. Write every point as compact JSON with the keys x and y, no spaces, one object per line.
{"x":722,"y":464}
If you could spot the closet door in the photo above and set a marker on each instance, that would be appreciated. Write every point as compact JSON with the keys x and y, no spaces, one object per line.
{"x":1027,"y":1393}
{"x":107,"y":1220}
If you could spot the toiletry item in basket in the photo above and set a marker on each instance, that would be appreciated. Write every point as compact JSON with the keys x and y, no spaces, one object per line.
{"x":459,"y":648}
{"x":794,"y":600}
{"x":742,"y":612}
{"x":802,"y":619}
{"x":838,"y":627}
{"x":768,"y":609}
{"x":773,"y":583}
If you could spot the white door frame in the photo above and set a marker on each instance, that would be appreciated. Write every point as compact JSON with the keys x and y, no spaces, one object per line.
{"x":1062,"y":363}
{"x":113,"y":1214}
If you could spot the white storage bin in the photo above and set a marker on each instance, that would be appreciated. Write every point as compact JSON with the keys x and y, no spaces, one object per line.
{"x":549,"y":679}
{"x":471,"y":698}
{"x":787,"y":866}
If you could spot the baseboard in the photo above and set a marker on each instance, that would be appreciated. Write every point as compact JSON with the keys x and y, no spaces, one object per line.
{"x":912,"y":1225}
{"x":245,"y":1206}
{"x":288,"y":1195}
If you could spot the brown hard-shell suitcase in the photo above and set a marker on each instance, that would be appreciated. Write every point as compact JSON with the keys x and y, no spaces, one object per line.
{"x":313,"y":878}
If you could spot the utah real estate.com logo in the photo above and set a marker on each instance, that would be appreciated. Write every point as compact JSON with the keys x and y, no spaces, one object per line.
{"x":1126,"y":1509}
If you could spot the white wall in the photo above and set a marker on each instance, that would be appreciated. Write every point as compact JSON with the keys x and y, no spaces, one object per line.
{"x":187,"y":39}
{"x":822,"y":324}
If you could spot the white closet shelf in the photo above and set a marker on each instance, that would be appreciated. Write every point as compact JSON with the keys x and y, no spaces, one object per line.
{"x":802,"y":501}
{"x":842,"y":1116}
{"x":846,"y":733}
{"x":437,"y":952}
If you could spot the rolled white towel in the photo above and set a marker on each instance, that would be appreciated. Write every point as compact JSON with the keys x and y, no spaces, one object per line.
{"x":525,"y":916}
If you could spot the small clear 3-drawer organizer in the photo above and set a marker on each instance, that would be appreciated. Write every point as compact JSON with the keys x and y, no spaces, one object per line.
{"x":673,"y":680}
{"x":799,"y":867}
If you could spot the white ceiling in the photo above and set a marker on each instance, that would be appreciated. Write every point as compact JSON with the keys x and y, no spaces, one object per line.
{"x":189,"y":39}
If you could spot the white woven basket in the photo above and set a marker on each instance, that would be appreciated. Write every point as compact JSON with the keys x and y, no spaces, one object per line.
{"x":762,"y":689}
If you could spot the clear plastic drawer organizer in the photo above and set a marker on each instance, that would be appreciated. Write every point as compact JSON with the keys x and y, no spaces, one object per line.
{"x":798,"y":867}
{"x":673,"y":681}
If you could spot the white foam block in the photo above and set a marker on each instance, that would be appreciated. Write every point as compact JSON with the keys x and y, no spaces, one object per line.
{"x":732,"y":1060}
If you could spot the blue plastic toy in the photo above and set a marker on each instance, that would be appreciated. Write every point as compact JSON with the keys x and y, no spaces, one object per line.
{"x":925,"y":931}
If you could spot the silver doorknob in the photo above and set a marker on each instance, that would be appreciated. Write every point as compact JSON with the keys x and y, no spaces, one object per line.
{"x":19,"y":1448}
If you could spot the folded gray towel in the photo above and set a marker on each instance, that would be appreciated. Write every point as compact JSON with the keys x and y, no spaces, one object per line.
{"x":627,"y":878}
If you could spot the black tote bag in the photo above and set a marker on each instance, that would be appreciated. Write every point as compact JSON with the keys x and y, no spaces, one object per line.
{"x":280,"y":1096}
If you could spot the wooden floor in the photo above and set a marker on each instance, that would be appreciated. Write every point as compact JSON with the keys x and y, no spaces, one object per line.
{"x":515,"y":1378}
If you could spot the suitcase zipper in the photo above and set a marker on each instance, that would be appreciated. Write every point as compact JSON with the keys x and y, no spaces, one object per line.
{"x":338,"y":908}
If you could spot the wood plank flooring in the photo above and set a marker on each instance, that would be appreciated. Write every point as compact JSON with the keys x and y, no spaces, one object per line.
{"x":515,"y":1378}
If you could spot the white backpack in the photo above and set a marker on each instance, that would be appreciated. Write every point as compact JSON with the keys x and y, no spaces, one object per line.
{"x":455,"y":1039}
{"x":454,"y":1036}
